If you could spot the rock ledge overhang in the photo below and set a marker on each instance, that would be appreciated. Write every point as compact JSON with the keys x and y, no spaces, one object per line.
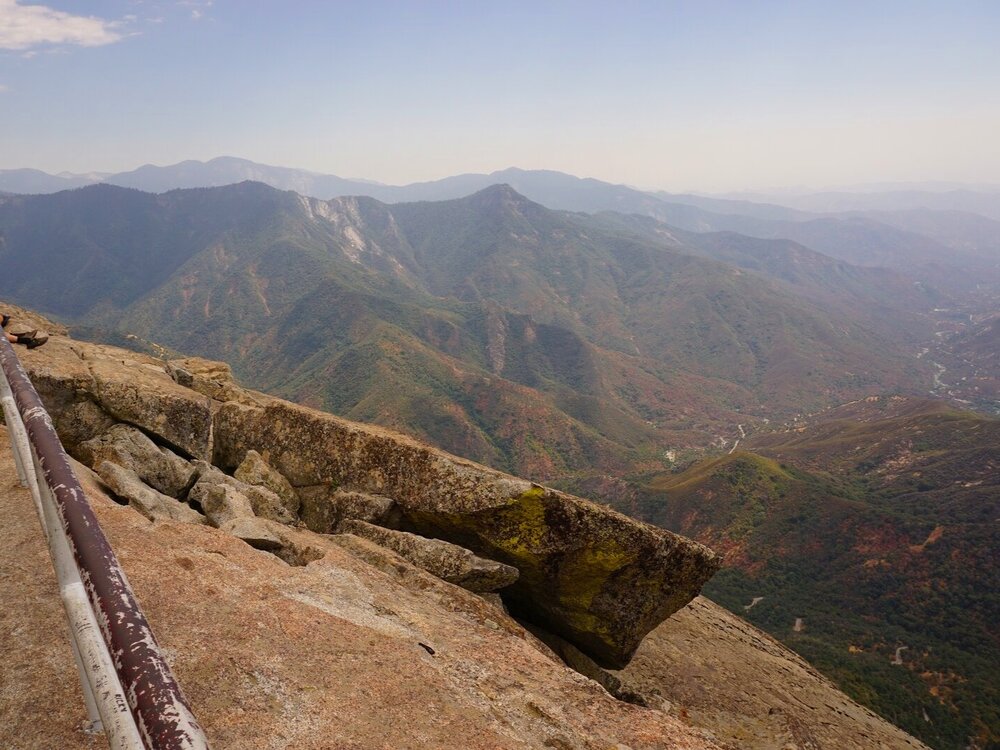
{"x":587,"y":573}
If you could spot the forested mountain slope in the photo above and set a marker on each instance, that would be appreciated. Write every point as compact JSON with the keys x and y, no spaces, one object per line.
{"x":463,"y":321}
{"x":866,"y":540}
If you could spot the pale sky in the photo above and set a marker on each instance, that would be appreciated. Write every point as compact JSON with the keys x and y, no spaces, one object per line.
{"x":695,"y":95}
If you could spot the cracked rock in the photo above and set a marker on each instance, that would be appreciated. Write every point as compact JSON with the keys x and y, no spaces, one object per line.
{"x":257,"y":472}
{"x":325,"y":508}
{"x":447,"y":561}
{"x":265,"y":503}
{"x":153,"y":505}
{"x":221,"y":503}
{"x":132,"y":449}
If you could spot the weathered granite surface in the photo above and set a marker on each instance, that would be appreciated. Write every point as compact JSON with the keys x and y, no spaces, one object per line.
{"x":255,"y":471}
{"x":334,"y":655}
{"x":254,"y":531}
{"x":595,"y":577}
{"x":264,"y":503}
{"x":325,"y":507}
{"x":447,"y":561}
{"x":154,"y":505}
{"x":221,"y":502}
{"x":142,"y":394}
{"x":132,"y":449}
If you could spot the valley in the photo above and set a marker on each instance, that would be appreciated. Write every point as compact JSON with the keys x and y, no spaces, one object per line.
{"x":966,"y":351}
{"x":865,"y":539}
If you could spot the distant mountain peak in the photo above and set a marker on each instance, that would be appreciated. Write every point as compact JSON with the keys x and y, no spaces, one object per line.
{"x":501,"y":189}
{"x":501,"y":194}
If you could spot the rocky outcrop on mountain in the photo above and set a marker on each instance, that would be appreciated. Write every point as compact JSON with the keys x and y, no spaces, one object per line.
{"x":588,"y":574}
{"x":221,"y":502}
{"x":593,"y":576}
{"x":137,"y":393}
{"x":330,"y":640}
{"x":212,"y":379}
{"x":255,"y":471}
{"x":339,"y":653}
{"x":264,"y":503}
{"x":256,"y":532}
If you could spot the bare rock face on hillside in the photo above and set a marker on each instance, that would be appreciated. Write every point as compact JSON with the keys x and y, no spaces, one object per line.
{"x":254,"y":531}
{"x":89,"y":387}
{"x":593,"y":576}
{"x":336,"y":653}
{"x":325,"y":507}
{"x":588,"y":574}
{"x":264,"y":503}
{"x":143,"y":395}
{"x":212,"y":379}
{"x":221,"y":502}
{"x":255,"y":471}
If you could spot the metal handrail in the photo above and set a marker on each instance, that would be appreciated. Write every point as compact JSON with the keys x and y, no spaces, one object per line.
{"x":130,"y":692}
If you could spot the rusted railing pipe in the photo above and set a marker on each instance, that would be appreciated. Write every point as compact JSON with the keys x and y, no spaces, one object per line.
{"x":107,"y":707}
{"x":161,"y":714}
{"x":103,"y":693}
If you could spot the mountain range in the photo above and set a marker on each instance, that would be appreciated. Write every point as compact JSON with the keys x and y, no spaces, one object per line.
{"x":881,"y":223}
{"x":461,"y":321}
{"x":750,"y":378}
{"x":794,"y":206}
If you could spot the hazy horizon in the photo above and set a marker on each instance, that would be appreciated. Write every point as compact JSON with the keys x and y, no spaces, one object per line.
{"x":764,"y":190}
{"x":670,"y":96}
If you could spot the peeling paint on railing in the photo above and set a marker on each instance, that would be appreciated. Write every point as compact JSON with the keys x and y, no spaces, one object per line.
{"x":161,"y":714}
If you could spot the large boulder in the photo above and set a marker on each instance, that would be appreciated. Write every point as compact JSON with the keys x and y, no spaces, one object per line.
{"x":141,"y":393}
{"x":154,"y":505}
{"x":64,"y":382}
{"x":220,"y":502}
{"x":88,"y":387}
{"x":255,"y":471}
{"x":78,"y":421}
{"x":131,"y":448}
{"x":447,"y":561}
{"x":265,"y":503}
{"x":209,"y":378}
{"x":296,"y":547}
{"x":324,"y":507}
{"x":591,"y":575}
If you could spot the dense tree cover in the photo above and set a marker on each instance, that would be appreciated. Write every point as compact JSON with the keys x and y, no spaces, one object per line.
{"x":876,"y":525}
